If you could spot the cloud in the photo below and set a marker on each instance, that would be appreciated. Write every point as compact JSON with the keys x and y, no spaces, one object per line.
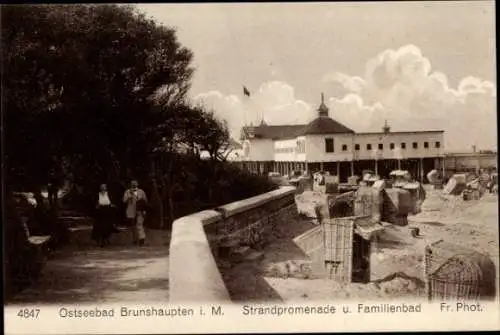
{"x":411,"y":96}
{"x":353,"y":113}
{"x":274,"y":101}
{"x":398,"y":85}
{"x":225,"y":107}
{"x":352,"y":84}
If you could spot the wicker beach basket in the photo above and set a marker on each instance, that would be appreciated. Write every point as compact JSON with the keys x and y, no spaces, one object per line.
{"x":456,"y":273}
{"x":338,"y":235}
{"x":347,"y":248}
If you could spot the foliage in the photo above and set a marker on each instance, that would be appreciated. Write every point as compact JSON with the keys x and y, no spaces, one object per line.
{"x":97,"y":93}
{"x":77,"y":81}
{"x":204,"y":184}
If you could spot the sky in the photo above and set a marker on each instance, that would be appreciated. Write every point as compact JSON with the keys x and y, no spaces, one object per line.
{"x":419,"y":65}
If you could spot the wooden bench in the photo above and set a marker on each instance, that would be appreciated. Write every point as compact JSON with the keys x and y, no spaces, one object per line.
{"x":39,"y":248}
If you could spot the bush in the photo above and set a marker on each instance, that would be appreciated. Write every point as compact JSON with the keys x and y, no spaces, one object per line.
{"x":205,"y":185}
{"x":200,"y":185}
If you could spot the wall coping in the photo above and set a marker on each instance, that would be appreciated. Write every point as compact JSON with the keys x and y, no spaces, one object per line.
{"x":193,"y":272}
{"x":244,"y":205}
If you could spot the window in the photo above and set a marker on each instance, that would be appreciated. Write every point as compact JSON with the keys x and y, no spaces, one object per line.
{"x":415,"y":145}
{"x":368,"y":147}
{"x":301,"y":146}
{"x":344,"y":147}
{"x":286,"y":150}
{"x":356,"y":146}
{"x":403,"y":145}
{"x":391,"y":146}
{"x":426,"y":145}
{"x":380,"y":146}
{"x":329,"y":145}
{"x":438,"y":144}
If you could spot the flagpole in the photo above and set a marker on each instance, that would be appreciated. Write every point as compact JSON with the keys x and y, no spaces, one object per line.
{"x":246,"y":99}
{"x":245,"y":111}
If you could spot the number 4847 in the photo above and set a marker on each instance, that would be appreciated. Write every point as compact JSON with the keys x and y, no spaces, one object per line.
{"x":28,"y":313}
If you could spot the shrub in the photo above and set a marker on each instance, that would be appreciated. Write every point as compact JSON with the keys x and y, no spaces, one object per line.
{"x":197,"y":185}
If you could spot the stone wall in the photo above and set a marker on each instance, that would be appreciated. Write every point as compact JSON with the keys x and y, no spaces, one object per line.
{"x":201,"y":240}
{"x":251,"y":222}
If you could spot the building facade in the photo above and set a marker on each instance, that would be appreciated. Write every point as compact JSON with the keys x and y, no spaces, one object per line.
{"x":326,"y":145}
{"x":470,"y":161}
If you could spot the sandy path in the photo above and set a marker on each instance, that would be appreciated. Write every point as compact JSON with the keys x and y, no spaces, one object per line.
{"x":85,"y":273}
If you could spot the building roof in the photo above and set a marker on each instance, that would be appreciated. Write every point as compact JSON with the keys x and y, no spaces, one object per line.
{"x":320,"y":125}
{"x":275,"y":132}
{"x":326,"y":125}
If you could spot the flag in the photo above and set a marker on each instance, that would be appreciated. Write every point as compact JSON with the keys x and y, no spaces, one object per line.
{"x":246,"y":91}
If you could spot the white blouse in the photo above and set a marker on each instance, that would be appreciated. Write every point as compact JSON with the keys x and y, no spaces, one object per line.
{"x":104,"y":199}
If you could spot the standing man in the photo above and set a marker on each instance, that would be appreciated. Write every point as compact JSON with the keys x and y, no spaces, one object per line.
{"x":136,"y":201}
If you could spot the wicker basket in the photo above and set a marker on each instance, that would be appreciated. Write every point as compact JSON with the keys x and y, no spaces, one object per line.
{"x":456,"y":273}
{"x":368,"y":201}
{"x":338,"y":241}
{"x":347,"y":254}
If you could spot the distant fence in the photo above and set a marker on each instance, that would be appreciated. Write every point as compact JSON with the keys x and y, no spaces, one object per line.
{"x":201,"y":240}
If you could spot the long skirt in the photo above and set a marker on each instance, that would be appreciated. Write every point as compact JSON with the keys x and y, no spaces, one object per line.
{"x":104,"y":224}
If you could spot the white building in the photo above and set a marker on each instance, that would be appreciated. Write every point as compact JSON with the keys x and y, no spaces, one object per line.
{"x":470,"y":161}
{"x":325,"y":144}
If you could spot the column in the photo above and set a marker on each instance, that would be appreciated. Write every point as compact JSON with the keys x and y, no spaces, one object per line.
{"x":376,"y":167}
{"x":352,"y":168}
{"x":399,"y":164}
{"x":421,"y":170}
{"x":338,"y":171}
{"x":321,"y":166}
{"x":443,"y":168}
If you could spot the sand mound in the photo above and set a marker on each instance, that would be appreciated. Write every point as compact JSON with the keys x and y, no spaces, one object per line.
{"x":307,"y":201}
{"x":289,"y":269}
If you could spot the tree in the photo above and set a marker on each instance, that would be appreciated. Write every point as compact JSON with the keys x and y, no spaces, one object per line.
{"x":78,"y":81}
{"x":99,"y":92}
{"x":184,"y":130}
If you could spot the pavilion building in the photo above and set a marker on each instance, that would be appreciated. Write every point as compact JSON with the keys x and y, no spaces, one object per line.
{"x":327,"y":145}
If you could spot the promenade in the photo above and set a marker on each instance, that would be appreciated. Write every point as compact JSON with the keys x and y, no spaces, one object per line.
{"x":82,"y":272}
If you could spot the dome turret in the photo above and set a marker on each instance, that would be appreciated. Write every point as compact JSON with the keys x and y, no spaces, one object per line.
{"x":322,"y":110}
